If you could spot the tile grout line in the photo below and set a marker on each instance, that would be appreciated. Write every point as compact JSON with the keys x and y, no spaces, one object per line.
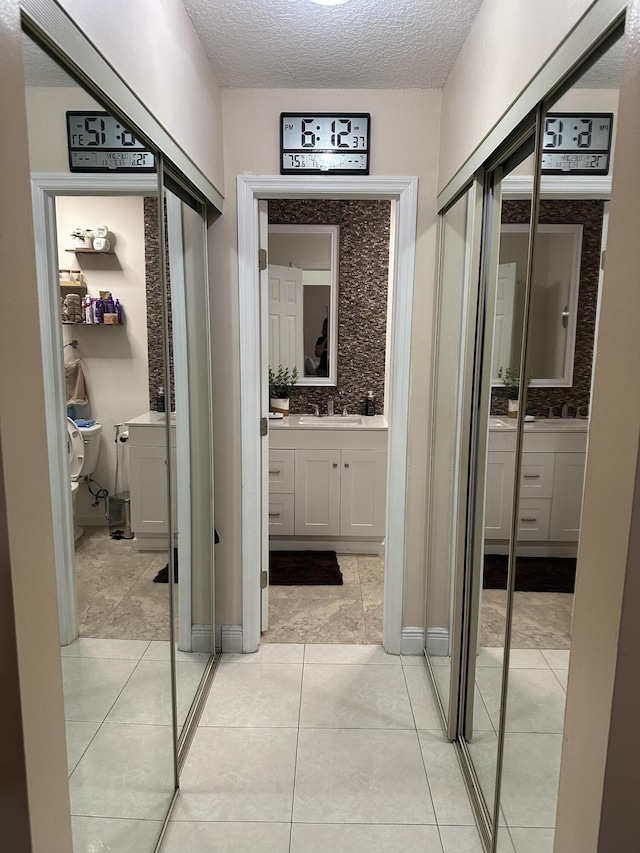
{"x":295,"y":762}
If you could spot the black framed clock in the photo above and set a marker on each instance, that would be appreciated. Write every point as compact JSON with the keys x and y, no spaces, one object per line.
{"x":97,"y":142}
{"x":324,"y":143}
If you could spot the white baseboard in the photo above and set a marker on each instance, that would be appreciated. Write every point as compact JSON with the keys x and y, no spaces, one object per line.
{"x":231,"y":639}
{"x":412,"y":642}
{"x":201,"y":638}
{"x":438,"y":642}
{"x":218,"y":638}
{"x":340,"y":546}
{"x":149,"y":543}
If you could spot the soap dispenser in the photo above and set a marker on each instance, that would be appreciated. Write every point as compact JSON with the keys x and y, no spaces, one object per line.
{"x":160,"y":400}
{"x":370,"y":405}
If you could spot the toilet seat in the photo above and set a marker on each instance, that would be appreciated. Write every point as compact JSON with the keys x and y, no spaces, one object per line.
{"x":75,"y":449}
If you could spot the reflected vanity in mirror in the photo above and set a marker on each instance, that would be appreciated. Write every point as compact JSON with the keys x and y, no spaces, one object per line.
{"x":303,"y":301}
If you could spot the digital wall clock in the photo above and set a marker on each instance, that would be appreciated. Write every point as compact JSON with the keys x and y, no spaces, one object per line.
{"x":324,"y":143}
{"x":98,"y":142}
{"x":579,"y":143}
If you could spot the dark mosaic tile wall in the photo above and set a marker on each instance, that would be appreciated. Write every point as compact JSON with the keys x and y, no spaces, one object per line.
{"x":154,"y":305}
{"x":588,"y":214}
{"x":362,"y":296}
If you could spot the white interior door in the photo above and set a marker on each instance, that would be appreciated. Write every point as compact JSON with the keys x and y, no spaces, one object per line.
{"x":265,"y":360}
{"x":286,"y":334}
{"x":503,"y":328}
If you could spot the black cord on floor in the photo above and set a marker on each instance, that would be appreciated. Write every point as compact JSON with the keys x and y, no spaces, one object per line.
{"x":100,"y":495}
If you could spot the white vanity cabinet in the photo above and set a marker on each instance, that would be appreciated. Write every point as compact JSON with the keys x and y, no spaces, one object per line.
{"x":328,"y":482}
{"x":148,"y":481}
{"x":551,"y":483}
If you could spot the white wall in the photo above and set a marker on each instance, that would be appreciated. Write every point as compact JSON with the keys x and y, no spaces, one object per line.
{"x":153,"y":46}
{"x":46,"y":112}
{"x":508,"y":43}
{"x":404,"y":141}
{"x":114,"y":358}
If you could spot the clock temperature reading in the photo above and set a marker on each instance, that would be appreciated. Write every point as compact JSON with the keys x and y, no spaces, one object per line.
{"x":577,"y":142}
{"x":325,"y":142}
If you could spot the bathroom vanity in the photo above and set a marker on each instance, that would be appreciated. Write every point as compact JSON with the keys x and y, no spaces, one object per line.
{"x":551,"y":485}
{"x":148,"y":480}
{"x":328,"y":482}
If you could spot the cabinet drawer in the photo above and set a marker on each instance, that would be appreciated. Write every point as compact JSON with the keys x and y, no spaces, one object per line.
{"x":281,"y":471}
{"x":536,"y":478}
{"x":534,"y":517}
{"x":281,"y":517}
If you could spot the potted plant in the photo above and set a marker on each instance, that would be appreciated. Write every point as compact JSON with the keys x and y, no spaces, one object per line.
{"x":281,"y":387}
{"x":511,"y":380}
{"x":82,"y":238}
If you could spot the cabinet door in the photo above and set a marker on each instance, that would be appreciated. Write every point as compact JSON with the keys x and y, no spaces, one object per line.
{"x":363,"y":488}
{"x":148,"y":487}
{"x":281,"y":466}
{"x":281,"y":515}
{"x":317,"y":492}
{"x":499,"y":494}
{"x":566,"y":509}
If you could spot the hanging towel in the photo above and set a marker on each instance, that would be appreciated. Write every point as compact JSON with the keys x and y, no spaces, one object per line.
{"x":76,"y":394}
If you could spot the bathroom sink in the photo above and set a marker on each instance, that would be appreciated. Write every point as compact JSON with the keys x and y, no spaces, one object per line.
{"x":334,"y":420}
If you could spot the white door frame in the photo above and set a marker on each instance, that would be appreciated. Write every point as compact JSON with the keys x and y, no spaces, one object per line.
{"x":44,"y":189}
{"x":252,"y":188}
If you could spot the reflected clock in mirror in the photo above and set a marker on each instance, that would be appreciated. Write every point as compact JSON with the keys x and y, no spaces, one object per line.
{"x":303,"y":301}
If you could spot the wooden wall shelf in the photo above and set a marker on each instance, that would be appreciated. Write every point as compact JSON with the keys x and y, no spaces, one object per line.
{"x":89,"y":252}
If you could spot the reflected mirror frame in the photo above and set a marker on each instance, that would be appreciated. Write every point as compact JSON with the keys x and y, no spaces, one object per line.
{"x":334,"y":231}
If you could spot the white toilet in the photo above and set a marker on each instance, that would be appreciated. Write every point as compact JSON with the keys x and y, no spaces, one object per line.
{"x":83,"y":447}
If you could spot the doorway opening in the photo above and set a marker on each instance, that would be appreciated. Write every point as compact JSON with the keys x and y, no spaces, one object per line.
{"x":254,"y":354}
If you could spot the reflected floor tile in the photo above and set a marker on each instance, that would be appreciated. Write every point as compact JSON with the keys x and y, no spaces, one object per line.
{"x":360,"y":776}
{"x":204,"y":837}
{"x":446,"y":784}
{"x":92,"y":685}
{"x":563,"y":677}
{"x":79,"y":736}
{"x":92,"y":834}
{"x":532,"y":840}
{"x":483,"y":748}
{"x":373,"y":621}
{"x":418,"y":660}
{"x":159,"y":650}
{"x":518,"y":658}
{"x":541,"y":627}
{"x":352,"y":696}
{"x":260,"y":695}
{"x":535,"y":703}
{"x":85,"y":647}
{"x":530,"y":779}
{"x":147,"y":696}
{"x":424,"y":704}
{"x":349,"y":567}
{"x":349,"y":654}
{"x":460,"y":839}
{"x":270,"y":653}
{"x":238,"y":774}
{"x":126,"y":772}
{"x":557,"y":658}
{"x":318,"y":621}
{"x":360,"y":838}
{"x":143,"y":617}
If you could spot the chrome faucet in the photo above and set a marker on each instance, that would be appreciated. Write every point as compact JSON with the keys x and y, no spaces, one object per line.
{"x":330,"y":407}
{"x":316,"y":410}
{"x":344,"y":412}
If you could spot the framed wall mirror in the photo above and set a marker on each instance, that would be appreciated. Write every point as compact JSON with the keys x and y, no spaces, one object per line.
{"x":553,"y":307}
{"x":303,"y":301}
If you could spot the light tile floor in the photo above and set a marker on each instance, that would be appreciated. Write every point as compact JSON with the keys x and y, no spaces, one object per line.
{"x":351,"y":613}
{"x":116,"y":594}
{"x":119,"y":738}
{"x":321,"y":748}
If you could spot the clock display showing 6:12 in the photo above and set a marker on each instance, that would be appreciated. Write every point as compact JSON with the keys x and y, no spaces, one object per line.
{"x":326,"y":139}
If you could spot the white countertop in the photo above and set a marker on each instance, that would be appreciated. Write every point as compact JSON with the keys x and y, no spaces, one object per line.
{"x":503,"y":424}
{"x":151,"y":419}
{"x":377,"y":422}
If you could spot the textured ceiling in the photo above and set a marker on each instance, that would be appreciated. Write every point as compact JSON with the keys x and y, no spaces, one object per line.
{"x":368,"y":44}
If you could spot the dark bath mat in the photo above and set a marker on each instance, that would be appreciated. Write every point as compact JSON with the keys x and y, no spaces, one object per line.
{"x":533,"y":574}
{"x":304,"y":568}
{"x":163,"y":574}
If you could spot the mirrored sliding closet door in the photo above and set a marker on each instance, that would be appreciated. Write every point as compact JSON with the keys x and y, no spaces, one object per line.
{"x":124,"y":319}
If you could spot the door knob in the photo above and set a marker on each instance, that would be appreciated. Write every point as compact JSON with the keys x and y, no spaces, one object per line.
{"x":335,"y":464}
{"x":346,"y":464}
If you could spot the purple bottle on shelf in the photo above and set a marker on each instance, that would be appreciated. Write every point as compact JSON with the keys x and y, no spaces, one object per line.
{"x":118,"y":308}
{"x":99,"y":310}
{"x":109,"y":307}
